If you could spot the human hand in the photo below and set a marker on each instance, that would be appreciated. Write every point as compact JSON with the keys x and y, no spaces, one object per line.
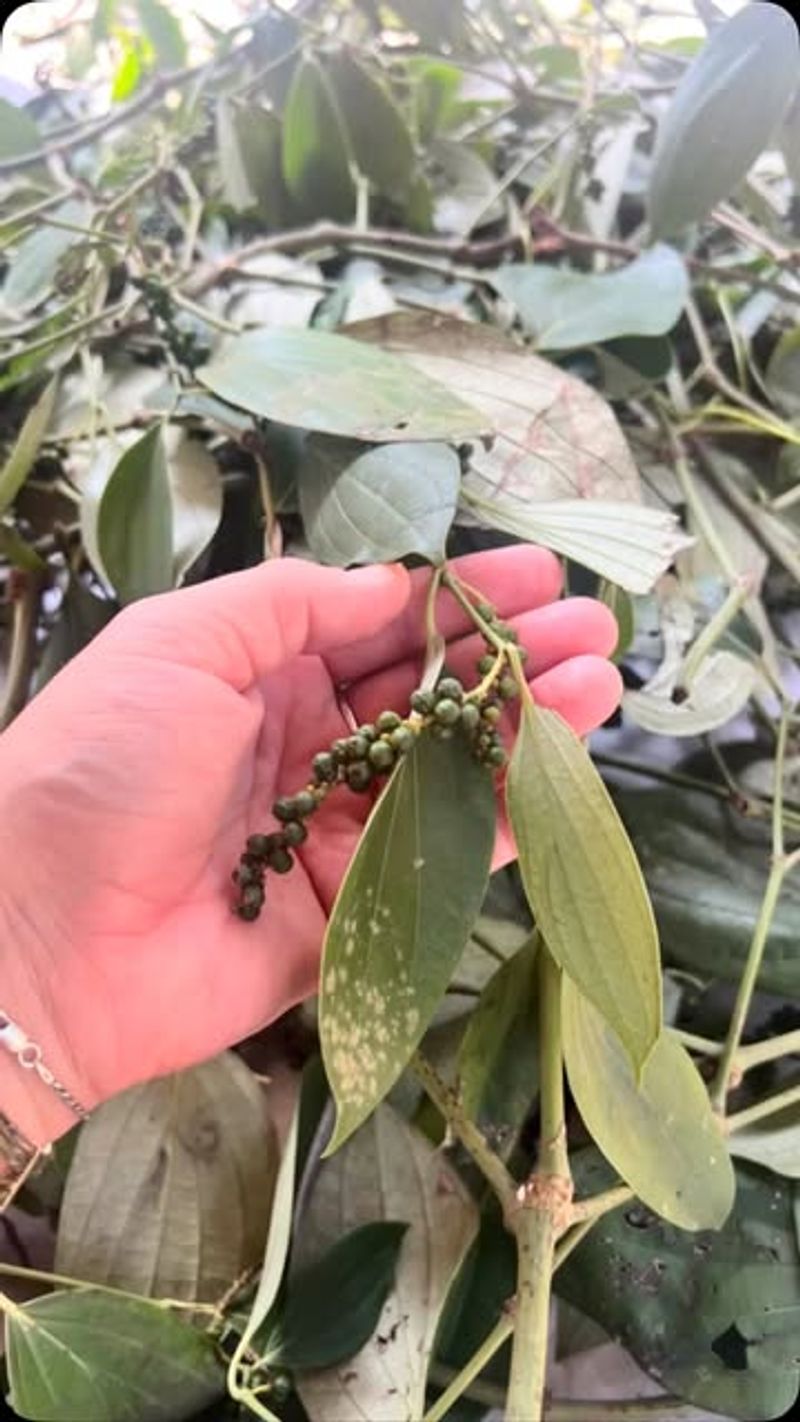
{"x":128,"y":787}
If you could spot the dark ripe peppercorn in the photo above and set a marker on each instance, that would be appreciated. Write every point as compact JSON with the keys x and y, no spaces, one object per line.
{"x":253,"y":894}
{"x":295,"y":833}
{"x":339,"y":749}
{"x":284,"y":808}
{"x":248,"y":912}
{"x":388,"y":721}
{"x":486,"y":663}
{"x":357,"y":747}
{"x":324,"y":767}
{"x":449,"y":689}
{"x":447,"y":712}
{"x":402,"y":740}
{"x":246,"y":874}
{"x":422,"y":702}
{"x":470,"y":717}
{"x":280,"y":860}
{"x":304,"y":803}
{"x":507,"y":688}
{"x":358,"y":776}
{"x":381,"y":755}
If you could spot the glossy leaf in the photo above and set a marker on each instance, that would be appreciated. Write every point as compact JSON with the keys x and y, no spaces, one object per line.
{"x":237,"y":188}
{"x":326,"y":382}
{"x":719,"y":691}
{"x":277,"y":1246}
{"x":86,"y":1356}
{"x":621,"y":605}
{"x":706,"y":869}
{"x":468,"y":192}
{"x":169,"y":1188}
{"x":400,"y":1177}
{"x":19,"y":131}
{"x":498,"y":1057}
{"x":316,"y":155}
{"x":694,"y":1309}
{"x":134,"y":521}
{"x":22,"y":456}
{"x":661,"y":1135}
{"x":773,"y":1143}
{"x":80,"y":618}
{"x":379,"y":138}
{"x":582,"y":879}
{"x":725,"y":109}
{"x":333,"y":1305}
{"x":33,"y":266}
{"x":164,"y":32}
{"x":379,"y":503}
{"x":563,"y":308}
{"x":128,"y":73}
{"x":196,"y":497}
{"x":402,"y":916}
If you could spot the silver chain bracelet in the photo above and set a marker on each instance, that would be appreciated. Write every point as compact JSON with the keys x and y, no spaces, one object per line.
{"x":28,"y":1055}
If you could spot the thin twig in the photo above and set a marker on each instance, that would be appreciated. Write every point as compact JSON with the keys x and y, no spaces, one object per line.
{"x":25,"y":589}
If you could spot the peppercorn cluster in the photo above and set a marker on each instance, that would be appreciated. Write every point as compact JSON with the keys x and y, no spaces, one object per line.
{"x":373,"y":750}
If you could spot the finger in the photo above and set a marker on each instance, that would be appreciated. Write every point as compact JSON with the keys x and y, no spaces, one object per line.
{"x":584,"y":691}
{"x":244,"y":625}
{"x":512,"y":579}
{"x":550,"y":635}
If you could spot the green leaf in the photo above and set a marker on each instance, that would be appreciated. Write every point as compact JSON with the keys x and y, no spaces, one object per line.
{"x":719,"y":691}
{"x":164,"y":32}
{"x":775,"y":1143}
{"x":333,"y":1305}
{"x":723,"y":113}
{"x":374,"y":505}
{"x":316,"y":156}
{"x":435,"y":87}
{"x":497,"y":1059}
{"x":87,"y":1356}
{"x":468,"y":195}
{"x":620,"y":603}
{"x":379,"y":138}
{"x":18,"y":551}
{"x":564,"y":308}
{"x":26,"y":447}
{"x":400,"y":1176}
{"x":321,"y":381}
{"x":694,"y":1308}
{"x":633,"y":363}
{"x":237,"y":189}
{"x":80,"y":618}
{"x":169,"y":1188}
{"x":19,"y":133}
{"x":134,"y":521}
{"x":402,"y":916}
{"x":435,"y":21}
{"x":196,"y":498}
{"x":790,"y":142}
{"x":582,"y":879}
{"x":706,"y":868}
{"x":661,"y":1136}
{"x":128,"y":73}
{"x":783,"y":373}
{"x":33,"y":267}
{"x":630,"y":544}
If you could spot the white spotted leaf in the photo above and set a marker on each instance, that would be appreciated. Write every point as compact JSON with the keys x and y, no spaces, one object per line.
{"x":401,"y":920}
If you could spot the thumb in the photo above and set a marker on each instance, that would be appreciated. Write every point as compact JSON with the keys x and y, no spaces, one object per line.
{"x":243,"y":625}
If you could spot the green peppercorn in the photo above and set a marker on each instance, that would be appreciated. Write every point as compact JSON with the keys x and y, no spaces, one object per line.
{"x":381,"y":756}
{"x":491,"y":713}
{"x":496,"y":756}
{"x":368,"y":732}
{"x":253,"y":894}
{"x":324,"y":767}
{"x":402,"y":740}
{"x":339,"y":749}
{"x":280,"y":860}
{"x":246,"y":874}
{"x":509,"y":634}
{"x":304,"y":803}
{"x":358,"y":776}
{"x":507,"y":688}
{"x":295,"y":833}
{"x":422,"y":702}
{"x":522,"y":653}
{"x":486,"y":663}
{"x":440,"y":732}
{"x":357,"y":747}
{"x":248,"y":912}
{"x":450,"y":689}
{"x":388,"y":721}
{"x":259,"y":845}
{"x":285,"y":808}
{"x":447,"y":712}
{"x":486,"y":611}
{"x":470,"y":717}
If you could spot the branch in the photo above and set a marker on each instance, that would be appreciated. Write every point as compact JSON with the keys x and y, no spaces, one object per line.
{"x":25,"y":590}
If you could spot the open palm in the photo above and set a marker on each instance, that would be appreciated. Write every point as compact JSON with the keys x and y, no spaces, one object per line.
{"x":129,"y":785}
